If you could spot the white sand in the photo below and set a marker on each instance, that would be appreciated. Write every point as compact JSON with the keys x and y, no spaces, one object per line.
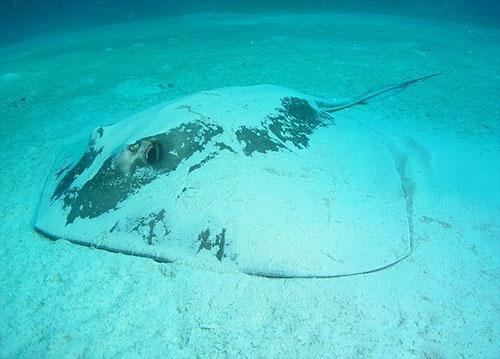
{"x":62,"y":300}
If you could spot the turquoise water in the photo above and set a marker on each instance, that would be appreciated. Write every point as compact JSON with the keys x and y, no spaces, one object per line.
{"x":20,"y":20}
{"x":66,"y":70}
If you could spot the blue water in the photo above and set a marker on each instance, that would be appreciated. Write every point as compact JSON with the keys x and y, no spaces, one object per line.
{"x":24,"y":19}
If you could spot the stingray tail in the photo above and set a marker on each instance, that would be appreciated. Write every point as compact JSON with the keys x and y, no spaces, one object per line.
{"x":374,"y":94}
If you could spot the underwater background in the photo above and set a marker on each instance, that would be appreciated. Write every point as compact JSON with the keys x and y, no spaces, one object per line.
{"x":67,"y":67}
{"x":22,"y":19}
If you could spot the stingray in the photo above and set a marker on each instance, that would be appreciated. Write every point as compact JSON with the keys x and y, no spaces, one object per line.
{"x":257,"y":179}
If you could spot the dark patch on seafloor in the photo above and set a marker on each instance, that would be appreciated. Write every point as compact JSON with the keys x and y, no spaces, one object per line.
{"x":294,"y":123}
{"x":19,"y":102}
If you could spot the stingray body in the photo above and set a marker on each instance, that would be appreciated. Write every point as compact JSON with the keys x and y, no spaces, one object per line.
{"x":259,"y":179}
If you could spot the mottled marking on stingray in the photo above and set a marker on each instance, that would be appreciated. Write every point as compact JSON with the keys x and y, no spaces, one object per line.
{"x":156,"y":183}
{"x":203,"y":161}
{"x":124,"y":173}
{"x":88,"y":157}
{"x":220,"y":147}
{"x":294,"y":122}
{"x":147,"y":227}
{"x":220,"y":243}
{"x":206,"y":243}
{"x":203,"y":238}
{"x":257,"y":140}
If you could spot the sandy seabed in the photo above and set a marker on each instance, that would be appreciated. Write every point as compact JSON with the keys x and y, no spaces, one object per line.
{"x":62,"y":300}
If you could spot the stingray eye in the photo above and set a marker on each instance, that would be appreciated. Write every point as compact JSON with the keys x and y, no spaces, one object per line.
{"x":133,"y":147}
{"x":152,"y":153}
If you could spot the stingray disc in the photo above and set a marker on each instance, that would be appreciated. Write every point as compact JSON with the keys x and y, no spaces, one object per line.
{"x":257,"y":178}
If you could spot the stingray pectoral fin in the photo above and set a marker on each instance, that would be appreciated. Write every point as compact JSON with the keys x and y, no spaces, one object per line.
{"x":372,"y":95}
